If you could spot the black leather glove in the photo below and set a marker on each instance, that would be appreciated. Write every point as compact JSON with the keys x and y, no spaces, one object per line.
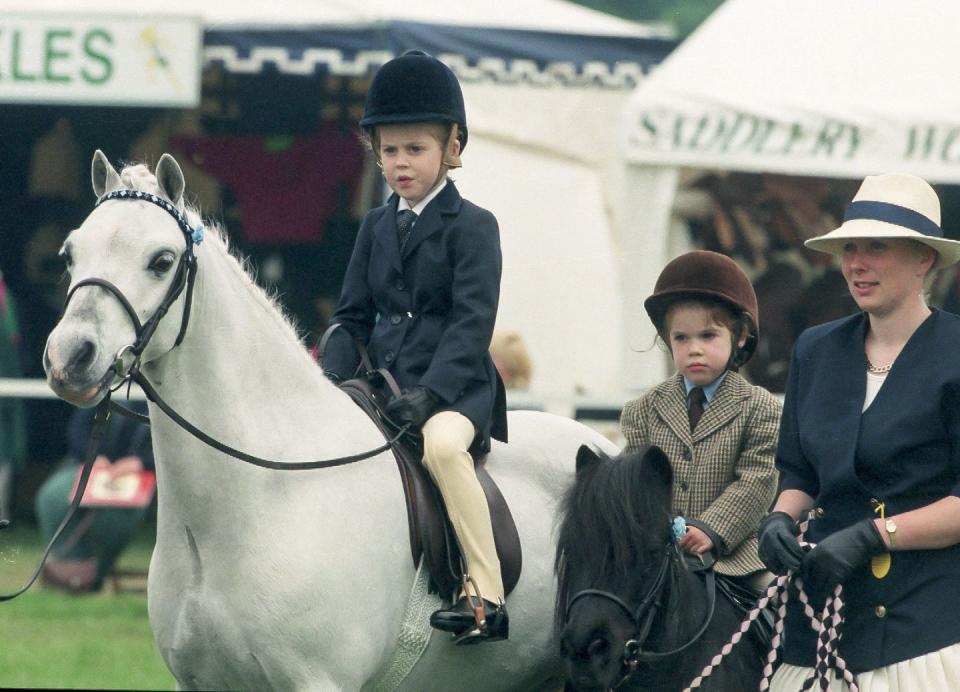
{"x":778,"y":547}
{"x":836,"y":557}
{"x":412,"y":407}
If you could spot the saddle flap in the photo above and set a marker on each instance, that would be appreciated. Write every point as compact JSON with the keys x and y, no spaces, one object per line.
{"x":431,"y":534}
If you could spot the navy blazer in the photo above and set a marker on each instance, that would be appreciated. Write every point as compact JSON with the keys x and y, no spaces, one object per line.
{"x":904,"y":450}
{"x":427,"y":315}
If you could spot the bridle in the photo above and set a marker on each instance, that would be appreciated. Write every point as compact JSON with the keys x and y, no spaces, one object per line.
{"x":644,"y":614}
{"x":184,"y":280}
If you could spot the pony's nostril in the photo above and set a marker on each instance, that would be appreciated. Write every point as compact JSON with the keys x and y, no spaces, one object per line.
{"x":599,"y":648}
{"x":82,"y":357}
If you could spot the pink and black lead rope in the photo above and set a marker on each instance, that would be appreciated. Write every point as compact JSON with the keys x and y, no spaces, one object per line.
{"x":826,"y":625}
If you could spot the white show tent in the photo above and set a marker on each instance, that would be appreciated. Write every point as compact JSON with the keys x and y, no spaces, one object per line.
{"x":545,"y":83}
{"x":832,"y":88}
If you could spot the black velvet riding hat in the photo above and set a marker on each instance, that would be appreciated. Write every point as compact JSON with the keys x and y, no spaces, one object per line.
{"x":414,"y":88}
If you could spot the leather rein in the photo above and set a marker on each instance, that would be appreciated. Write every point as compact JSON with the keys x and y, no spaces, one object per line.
{"x":646,"y":612}
{"x":183,"y":279}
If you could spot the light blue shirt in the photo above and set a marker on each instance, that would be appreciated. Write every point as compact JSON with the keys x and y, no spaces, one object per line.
{"x":709,"y":390}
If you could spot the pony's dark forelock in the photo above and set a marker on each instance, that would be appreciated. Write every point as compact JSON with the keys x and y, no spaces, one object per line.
{"x":614,"y":513}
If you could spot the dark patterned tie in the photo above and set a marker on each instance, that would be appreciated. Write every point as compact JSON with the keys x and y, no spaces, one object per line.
{"x":405,"y":221}
{"x":697,"y":397}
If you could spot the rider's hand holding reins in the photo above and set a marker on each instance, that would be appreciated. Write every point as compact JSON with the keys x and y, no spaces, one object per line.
{"x":412,"y":407}
{"x":778,"y":547}
{"x":835,"y":558}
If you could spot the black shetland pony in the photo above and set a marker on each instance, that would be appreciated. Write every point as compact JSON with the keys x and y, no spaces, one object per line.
{"x":631,"y":613}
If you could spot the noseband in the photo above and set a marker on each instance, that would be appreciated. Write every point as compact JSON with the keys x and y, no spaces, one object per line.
{"x":184,"y":278}
{"x":644,"y":614}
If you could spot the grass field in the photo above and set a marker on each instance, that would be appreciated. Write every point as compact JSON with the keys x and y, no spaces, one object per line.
{"x":53,"y":640}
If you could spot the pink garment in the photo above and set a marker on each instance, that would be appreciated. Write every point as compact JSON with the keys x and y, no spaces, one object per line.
{"x":285,"y":195}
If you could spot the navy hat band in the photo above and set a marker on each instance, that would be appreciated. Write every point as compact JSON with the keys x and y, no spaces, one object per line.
{"x":892,"y":213}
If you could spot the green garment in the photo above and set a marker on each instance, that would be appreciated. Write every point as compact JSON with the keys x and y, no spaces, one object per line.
{"x":13,"y":432}
{"x":101,"y":532}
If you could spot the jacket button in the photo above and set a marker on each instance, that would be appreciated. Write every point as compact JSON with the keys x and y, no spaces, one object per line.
{"x":395,"y":319}
{"x":684,"y":486}
{"x":880,"y":611}
{"x":389,"y":356}
{"x":687,"y":456}
{"x":400,"y":285}
{"x":819,"y":512}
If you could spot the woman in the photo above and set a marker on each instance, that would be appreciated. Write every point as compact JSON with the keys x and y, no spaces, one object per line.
{"x":870,"y":439}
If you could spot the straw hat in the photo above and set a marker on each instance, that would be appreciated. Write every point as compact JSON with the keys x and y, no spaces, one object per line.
{"x":892,"y":206}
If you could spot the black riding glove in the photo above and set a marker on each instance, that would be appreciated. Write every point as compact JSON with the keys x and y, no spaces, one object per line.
{"x":836,"y":557}
{"x":778,"y":547}
{"x":413,"y":407}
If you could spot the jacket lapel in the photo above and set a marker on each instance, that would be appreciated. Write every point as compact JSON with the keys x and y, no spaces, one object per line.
{"x":386,"y":233}
{"x":726,"y":405}
{"x":672,"y":407}
{"x":432,"y":218}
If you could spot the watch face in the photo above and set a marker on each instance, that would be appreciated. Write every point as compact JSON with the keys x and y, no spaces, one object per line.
{"x":891,"y":527}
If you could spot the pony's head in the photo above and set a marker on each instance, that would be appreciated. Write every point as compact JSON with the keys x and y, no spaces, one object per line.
{"x":122,"y":262}
{"x":614,"y":535}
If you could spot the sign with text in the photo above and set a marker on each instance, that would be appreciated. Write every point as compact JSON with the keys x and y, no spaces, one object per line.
{"x":804,"y":142}
{"x":100,"y":60}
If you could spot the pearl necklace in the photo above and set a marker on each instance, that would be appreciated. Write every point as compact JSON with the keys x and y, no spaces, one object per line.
{"x":878,"y":369}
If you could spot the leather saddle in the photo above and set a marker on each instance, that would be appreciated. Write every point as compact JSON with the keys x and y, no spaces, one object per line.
{"x":431,"y":535}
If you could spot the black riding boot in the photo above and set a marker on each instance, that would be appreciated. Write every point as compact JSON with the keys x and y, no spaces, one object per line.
{"x":470,"y":626}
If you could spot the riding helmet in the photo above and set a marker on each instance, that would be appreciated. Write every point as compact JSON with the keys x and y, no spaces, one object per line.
{"x":413,"y":88}
{"x":706,"y":274}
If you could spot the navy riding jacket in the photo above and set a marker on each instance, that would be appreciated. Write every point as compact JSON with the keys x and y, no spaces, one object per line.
{"x":427,"y":315}
{"x":904,"y":450}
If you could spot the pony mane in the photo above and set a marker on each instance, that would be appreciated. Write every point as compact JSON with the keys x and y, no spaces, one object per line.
{"x":137,"y":176}
{"x":613,"y":515}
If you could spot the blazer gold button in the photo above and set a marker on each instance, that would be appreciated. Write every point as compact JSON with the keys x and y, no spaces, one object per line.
{"x":819,"y":512}
{"x":880,"y":611}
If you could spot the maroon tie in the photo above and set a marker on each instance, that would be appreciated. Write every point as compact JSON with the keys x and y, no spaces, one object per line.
{"x":697,"y":398}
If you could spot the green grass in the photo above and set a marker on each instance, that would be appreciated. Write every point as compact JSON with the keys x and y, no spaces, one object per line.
{"x":97,"y":641}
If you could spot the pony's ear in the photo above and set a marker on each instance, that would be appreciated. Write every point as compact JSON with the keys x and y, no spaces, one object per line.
{"x":104,"y":176}
{"x":586,"y":457}
{"x":170,"y":179}
{"x":657,"y":462}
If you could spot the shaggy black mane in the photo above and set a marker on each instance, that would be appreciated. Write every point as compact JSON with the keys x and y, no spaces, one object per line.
{"x":616,"y":513}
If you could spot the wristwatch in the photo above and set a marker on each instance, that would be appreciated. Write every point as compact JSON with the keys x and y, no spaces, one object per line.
{"x":891,"y":528}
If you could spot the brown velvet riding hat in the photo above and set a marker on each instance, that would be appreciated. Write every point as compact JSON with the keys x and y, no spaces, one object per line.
{"x":892,"y":206}
{"x":701,"y":274}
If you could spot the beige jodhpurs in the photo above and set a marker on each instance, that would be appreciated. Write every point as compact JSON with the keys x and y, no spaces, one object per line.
{"x":447,"y":436}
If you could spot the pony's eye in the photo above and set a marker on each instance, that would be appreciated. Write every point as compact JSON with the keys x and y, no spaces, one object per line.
{"x":162,"y":263}
{"x":65,"y":256}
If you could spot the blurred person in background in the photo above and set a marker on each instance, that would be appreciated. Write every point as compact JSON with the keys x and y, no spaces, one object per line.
{"x":511,"y":358}
{"x":96,"y":536}
{"x":13,"y":438}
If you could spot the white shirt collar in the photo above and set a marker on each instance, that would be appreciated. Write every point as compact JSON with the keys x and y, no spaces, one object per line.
{"x":422,"y":204}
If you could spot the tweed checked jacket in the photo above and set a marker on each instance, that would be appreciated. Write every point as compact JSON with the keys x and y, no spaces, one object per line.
{"x":723,"y":472}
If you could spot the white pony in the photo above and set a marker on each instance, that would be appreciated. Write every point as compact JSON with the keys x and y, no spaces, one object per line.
{"x":266,"y":579}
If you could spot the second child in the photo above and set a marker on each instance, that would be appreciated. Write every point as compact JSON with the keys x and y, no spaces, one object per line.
{"x":719,"y":431}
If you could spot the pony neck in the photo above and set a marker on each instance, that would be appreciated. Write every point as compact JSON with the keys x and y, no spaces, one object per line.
{"x":240,"y":354}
